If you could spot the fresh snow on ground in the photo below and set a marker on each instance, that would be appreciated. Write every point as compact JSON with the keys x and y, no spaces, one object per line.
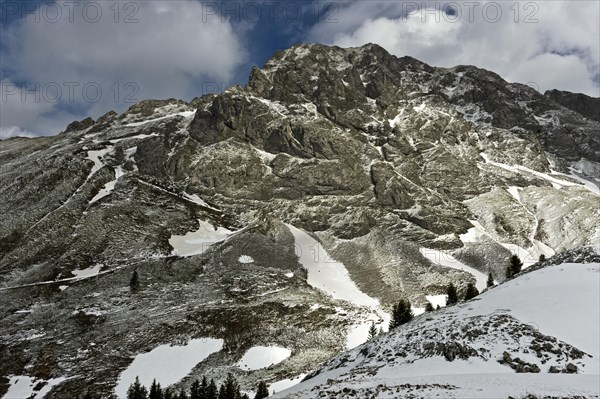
{"x":437,"y":300}
{"x":89,"y":272}
{"x":326,"y":274}
{"x":168,"y":364}
{"x":478,"y":234}
{"x":245,"y":259}
{"x":285,"y":384}
{"x":196,"y":242}
{"x":447,"y":260}
{"x":22,"y":387}
{"x":185,"y":114}
{"x":559,"y":301}
{"x":260,"y":357}
{"x":108,"y":187}
{"x":333,"y":278}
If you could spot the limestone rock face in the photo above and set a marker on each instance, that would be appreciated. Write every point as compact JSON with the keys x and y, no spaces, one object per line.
{"x":378,"y":157}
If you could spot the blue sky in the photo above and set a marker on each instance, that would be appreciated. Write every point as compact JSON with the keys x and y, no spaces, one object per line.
{"x":65,"y":60}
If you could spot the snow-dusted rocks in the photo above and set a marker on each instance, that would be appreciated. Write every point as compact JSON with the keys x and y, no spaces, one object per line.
{"x":509,"y":341}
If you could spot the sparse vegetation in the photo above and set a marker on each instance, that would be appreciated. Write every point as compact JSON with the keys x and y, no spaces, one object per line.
{"x":401,"y":314}
{"x":373,"y":332}
{"x":452,"y":295}
{"x":514,"y":267}
{"x":471,"y":292}
{"x":230,"y":389}
{"x":490,"y":280}
{"x":134,"y":282}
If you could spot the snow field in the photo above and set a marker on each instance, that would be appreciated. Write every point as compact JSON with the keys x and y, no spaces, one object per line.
{"x":167,"y":364}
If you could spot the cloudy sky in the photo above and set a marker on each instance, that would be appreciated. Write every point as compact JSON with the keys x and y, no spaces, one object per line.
{"x":67,"y":59}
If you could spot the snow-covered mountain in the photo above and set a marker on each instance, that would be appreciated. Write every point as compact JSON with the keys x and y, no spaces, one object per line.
{"x":288,"y":214}
{"x":536,"y":335}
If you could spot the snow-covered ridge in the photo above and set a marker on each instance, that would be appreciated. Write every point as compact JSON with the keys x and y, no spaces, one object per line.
{"x":546,"y":322}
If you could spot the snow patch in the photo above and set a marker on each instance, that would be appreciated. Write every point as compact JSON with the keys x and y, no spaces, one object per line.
{"x":447,"y":260}
{"x":87,"y":273}
{"x":196,"y":242}
{"x":260,"y":357}
{"x":22,"y":387}
{"x":168,"y":364}
{"x":245,"y":259}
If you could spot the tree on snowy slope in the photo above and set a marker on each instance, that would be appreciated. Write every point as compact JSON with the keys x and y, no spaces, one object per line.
{"x":514,"y":267}
{"x":137,"y":390}
{"x":155,"y":391}
{"x":490,"y":280}
{"x":262,"y":391}
{"x":471,"y":292}
{"x":452,"y":295}
{"x":401,"y":314}
{"x":429,"y":307}
{"x":372,"y":331}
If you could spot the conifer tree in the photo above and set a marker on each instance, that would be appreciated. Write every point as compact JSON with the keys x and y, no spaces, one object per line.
{"x":429,"y":307}
{"x":542,"y":258}
{"x":137,"y":390}
{"x":509,"y":272}
{"x":401,"y":314}
{"x":134,"y":282}
{"x":212,"y":392}
{"x":471,"y":292}
{"x":515,"y":264}
{"x":372,"y":332}
{"x":262,"y":391}
{"x":452,"y":295}
{"x":195,"y":390}
{"x":155,"y":391}
{"x":231,"y":388}
{"x":490,"y":280}
{"x":168,"y":394}
{"x":182,"y":394}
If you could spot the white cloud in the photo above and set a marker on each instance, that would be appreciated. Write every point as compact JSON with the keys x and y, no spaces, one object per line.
{"x":14,"y":131}
{"x":170,"y":52}
{"x":560,"y":50}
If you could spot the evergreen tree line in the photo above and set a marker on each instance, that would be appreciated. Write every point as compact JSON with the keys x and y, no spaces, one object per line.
{"x":230,"y":389}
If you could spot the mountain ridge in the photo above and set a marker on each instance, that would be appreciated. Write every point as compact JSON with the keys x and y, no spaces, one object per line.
{"x":410,"y":177}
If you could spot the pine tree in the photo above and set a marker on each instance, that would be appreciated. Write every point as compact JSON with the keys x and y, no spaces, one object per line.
{"x":429,"y":307}
{"x":262,"y":391}
{"x":195,"y":390}
{"x":168,"y":394}
{"x":155,"y":391}
{"x":452,"y":295}
{"x":490,"y":280}
{"x":230,"y":389}
{"x":182,"y":394}
{"x":137,"y":390}
{"x":471,"y":292}
{"x":372,"y":332}
{"x":134,"y":283}
{"x":515,"y":264}
{"x":212,"y":392}
{"x":542,"y":258}
{"x":509,"y":272}
{"x":401,"y":314}
{"x":438,"y":307}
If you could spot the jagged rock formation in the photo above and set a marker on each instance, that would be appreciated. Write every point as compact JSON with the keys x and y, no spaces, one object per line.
{"x":377,"y":156}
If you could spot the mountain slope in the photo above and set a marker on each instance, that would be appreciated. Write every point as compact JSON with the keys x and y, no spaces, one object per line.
{"x":404,"y":176}
{"x":539,"y":324}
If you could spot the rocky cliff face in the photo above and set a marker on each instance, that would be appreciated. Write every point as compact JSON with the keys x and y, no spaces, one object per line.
{"x":380,"y":158}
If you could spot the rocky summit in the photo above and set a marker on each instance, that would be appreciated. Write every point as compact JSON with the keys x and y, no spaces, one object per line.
{"x":283,"y":217}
